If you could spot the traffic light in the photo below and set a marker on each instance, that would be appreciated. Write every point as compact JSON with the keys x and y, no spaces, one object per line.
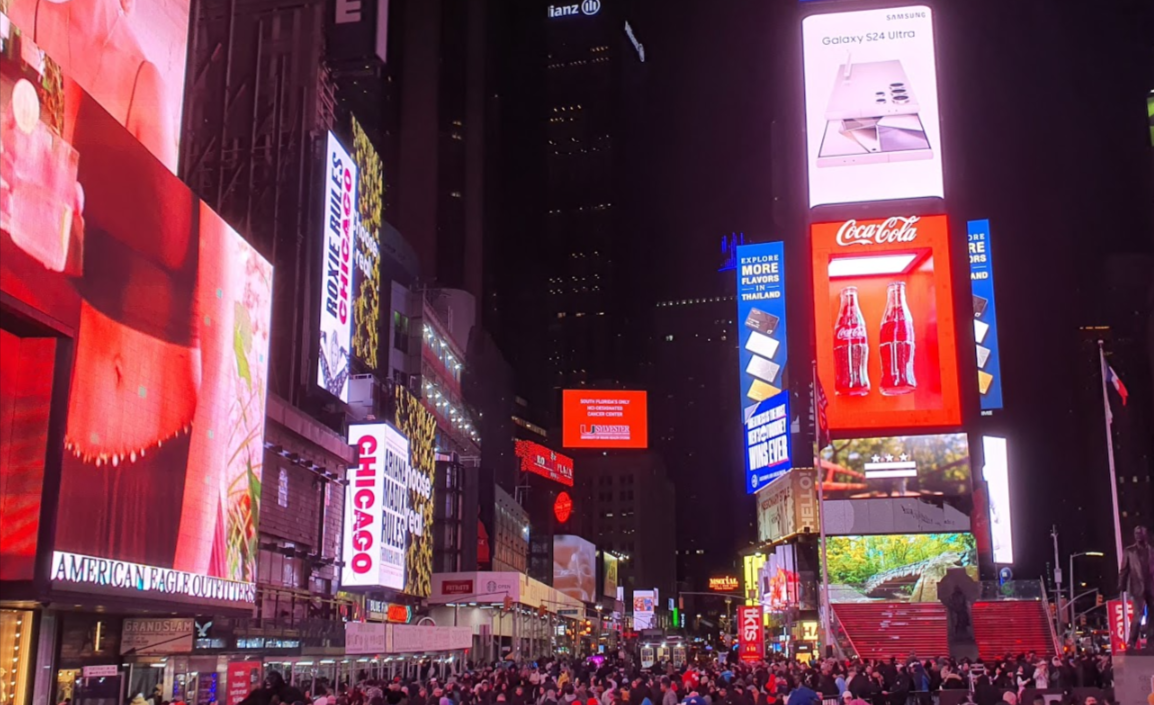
{"x":1100,"y":600}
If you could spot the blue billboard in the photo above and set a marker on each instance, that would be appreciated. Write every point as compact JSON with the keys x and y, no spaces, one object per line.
{"x":985,"y":315}
{"x":762,"y":355}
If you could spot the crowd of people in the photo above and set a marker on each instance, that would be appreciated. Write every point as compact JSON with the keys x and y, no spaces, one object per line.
{"x":619,"y":681}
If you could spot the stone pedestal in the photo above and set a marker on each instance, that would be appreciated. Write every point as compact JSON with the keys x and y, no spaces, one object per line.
{"x":1134,"y":677}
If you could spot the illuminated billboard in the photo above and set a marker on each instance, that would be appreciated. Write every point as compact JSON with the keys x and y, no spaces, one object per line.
{"x":575,"y":567}
{"x":337,"y":270}
{"x":996,"y":473}
{"x":644,"y":602}
{"x":884,"y":323}
{"x":128,"y":57}
{"x":609,"y":585}
{"x":604,"y":419}
{"x":539,"y":460}
{"x":762,"y":357}
{"x":896,"y":568}
{"x":985,"y":315}
{"x":419,"y":426}
{"x":750,"y":634}
{"x":930,"y":467}
{"x":169,"y":309}
{"x":376,"y":509}
{"x":370,"y":192}
{"x":871,"y":106}
{"x":787,"y":505}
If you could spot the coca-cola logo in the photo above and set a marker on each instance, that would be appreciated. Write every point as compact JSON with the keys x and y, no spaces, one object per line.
{"x":895,"y":229}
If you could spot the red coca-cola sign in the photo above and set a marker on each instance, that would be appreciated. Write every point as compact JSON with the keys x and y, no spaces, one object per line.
{"x":890,"y":230}
{"x":457,"y":587}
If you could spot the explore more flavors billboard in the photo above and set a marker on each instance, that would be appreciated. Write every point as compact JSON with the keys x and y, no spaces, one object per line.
{"x":884,"y":323}
{"x":762,"y":356}
{"x":896,"y":568}
{"x":169,"y":311}
{"x":871,"y":106}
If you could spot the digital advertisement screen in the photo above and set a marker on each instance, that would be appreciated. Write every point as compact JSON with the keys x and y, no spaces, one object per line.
{"x":898,"y":568}
{"x":604,"y":419}
{"x":787,"y":505}
{"x":129,"y":58}
{"x":338,"y":270}
{"x":762,"y":355}
{"x":985,"y":315}
{"x":575,"y":567}
{"x":609,"y":585}
{"x":884,"y":323}
{"x":170,"y":309}
{"x":779,"y":580}
{"x":370,"y":192}
{"x":750,"y":633}
{"x":644,"y":602}
{"x":419,"y":426}
{"x":996,"y":473}
{"x":539,"y":460}
{"x":871,"y":106}
{"x":928,"y":467}
{"x":376,"y":508}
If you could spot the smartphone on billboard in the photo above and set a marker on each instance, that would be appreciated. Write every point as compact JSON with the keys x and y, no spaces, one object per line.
{"x":873,"y":141}
{"x":869,"y":90}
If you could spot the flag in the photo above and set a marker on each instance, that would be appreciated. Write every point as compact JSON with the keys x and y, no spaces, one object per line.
{"x":1113,"y":378}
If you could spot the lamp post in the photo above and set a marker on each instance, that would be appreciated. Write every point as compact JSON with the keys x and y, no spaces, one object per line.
{"x":1070,"y":575}
{"x":597,"y":638}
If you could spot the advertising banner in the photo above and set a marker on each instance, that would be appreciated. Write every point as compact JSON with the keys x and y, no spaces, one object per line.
{"x":899,"y":515}
{"x":985,"y":315}
{"x":604,"y":419}
{"x":419,"y":426}
{"x":370,"y":192}
{"x":787,"y":505}
{"x":996,"y":473}
{"x":884,"y":323}
{"x":169,"y":311}
{"x":377,"y":512}
{"x":130,"y":61}
{"x":609,"y":585}
{"x":1118,"y":635}
{"x":643,"y":606}
{"x":929,"y":467}
{"x":154,"y":637}
{"x":896,"y":568}
{"x":762,"y":358}
{"x":539,"y":460}
{"x":243,"y":678}
{"x":575,"y":567}
{"x":750,"y":634}
{"x":337,"y":270}
{"x":365,"y":638}
{"x":871,"y":106}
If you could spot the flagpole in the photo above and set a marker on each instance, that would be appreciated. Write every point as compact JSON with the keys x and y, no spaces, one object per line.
{"x":1113,"y":481}
{"x":825,"y":613}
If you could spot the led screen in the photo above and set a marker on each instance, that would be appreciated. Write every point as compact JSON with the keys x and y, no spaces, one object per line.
{"x":929,"y":467}
{"x":337,"y":270}
{"x":604,"y":419}
{"x":996,"y":473}
{"x":644,"y":602}
{"x":170,"y":311}
{"x":539,"y":460}
{"x":871,"y":106}
{"x":989,"y":357}
{"x":417,"y":424}
{"x":884,"y":323}
{"x":376,"y":508}
{"x":762,"y":357}
{"x":575,"y":567}
{"x":896,"y":568}
{"x":609,"y":585}
{"x":129,"y":57}
{"x":370,"y":192}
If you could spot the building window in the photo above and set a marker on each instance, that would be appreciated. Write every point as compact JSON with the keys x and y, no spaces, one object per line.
{"x":400,"y":331}
{"x":282,"y":488}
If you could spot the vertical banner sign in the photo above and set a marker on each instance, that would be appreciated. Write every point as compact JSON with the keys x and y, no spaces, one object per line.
{"x":1118,"y":624}
{"x":340,"y":216}
{"x":243,"y":678}
{"x":750,"y":635}
{"x":377,"y":509}
{"x":762,"y":357}
{"x":985,"y":315}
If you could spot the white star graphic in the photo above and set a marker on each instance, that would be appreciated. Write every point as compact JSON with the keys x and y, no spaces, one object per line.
{"x":903,"y":456}
{"x":889,"y":458}
{"x":877,"y":458}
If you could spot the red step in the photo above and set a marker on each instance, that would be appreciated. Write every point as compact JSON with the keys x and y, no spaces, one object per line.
{"x":880,"y":630}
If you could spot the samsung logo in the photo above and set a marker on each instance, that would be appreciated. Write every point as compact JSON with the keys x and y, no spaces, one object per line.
{"x":906,"y":16}
{"x":586,"y":7}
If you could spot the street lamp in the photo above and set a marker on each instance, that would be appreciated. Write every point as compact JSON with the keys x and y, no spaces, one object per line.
{"x":1073,"y":613}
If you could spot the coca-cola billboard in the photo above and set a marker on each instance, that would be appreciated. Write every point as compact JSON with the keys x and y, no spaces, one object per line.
{"x":884,"y":323}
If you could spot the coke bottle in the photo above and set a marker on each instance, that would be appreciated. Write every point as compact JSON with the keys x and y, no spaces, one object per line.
{"x":851,"y":350}
{"x":897,"y":344}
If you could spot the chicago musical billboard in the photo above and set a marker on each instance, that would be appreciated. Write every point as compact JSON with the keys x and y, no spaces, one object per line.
{"x":884,"y":323}
{"x":337,"y":270}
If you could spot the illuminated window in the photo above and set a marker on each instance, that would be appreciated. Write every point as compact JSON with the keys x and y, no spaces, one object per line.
{"x":282,"y":488}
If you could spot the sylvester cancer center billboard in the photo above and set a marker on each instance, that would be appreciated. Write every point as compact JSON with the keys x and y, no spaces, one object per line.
{"x":762,"y":356}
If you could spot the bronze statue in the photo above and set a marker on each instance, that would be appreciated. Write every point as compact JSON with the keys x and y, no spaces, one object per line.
{"x":1136,"y":578}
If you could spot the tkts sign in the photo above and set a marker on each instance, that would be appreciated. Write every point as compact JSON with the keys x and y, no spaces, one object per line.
{"x":750,"y":635}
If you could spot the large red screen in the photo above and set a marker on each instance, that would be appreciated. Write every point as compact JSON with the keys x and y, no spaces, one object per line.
{"x":170,"y":310}
{"x":604,"y":419}
{"x":882,"y":364}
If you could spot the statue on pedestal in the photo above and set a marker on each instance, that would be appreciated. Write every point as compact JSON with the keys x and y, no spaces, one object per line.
{"x":958,"y":592}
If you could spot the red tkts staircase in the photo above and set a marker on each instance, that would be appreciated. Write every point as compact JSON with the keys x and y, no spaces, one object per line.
{"x":879,"y":630}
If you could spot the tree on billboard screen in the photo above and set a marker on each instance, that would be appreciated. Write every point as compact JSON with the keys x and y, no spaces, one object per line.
{"x":905,"y":567}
